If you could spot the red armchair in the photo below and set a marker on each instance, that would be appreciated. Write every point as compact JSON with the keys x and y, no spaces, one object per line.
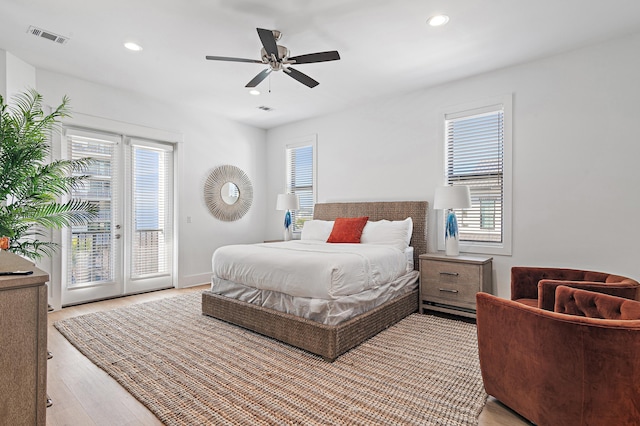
{"x":537,"y":286}
{"x":559,"y":369}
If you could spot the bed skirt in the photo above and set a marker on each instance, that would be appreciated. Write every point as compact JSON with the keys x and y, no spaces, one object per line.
{"x":328,"y":341}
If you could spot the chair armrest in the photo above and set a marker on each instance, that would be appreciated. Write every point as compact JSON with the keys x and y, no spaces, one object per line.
{"x":573,"y":301}
{"x":547,"y":290}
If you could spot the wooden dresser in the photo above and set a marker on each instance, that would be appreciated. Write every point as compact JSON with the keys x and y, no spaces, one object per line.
{"x":23,"y":343}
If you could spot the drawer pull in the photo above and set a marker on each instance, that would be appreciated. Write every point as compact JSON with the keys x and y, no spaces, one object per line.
{"x":448,"y":290}
{"x":453,"y":274}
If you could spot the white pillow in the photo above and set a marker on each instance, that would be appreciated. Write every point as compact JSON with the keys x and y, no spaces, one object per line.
{"x":396,"y":233}
{"x":316,"y":230}
{"x":408,"y":252}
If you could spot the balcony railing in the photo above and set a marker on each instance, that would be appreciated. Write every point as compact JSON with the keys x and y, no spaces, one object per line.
{"x":92,"y":256}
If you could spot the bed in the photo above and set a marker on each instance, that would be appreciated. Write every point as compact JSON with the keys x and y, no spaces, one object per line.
{"x":328,"y":338}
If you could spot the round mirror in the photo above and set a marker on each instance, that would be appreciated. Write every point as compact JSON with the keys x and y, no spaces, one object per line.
{"x":230,"y":193}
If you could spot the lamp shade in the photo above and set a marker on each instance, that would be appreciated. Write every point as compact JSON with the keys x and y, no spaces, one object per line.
{"x":452,"y":197}
{"x":287,"y":202}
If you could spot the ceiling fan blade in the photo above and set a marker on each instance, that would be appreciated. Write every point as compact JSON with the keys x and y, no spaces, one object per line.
{"x":258,"y":78}
{"x":301,"y":77}
{"x":224,"y":58}
{"x":316,"y":57}
{"x":268,"y":41}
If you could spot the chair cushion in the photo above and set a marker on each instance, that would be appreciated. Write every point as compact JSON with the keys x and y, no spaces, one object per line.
{"x":574,"y":301}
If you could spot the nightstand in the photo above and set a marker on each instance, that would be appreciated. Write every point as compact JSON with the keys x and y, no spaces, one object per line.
{"x":450,"y":283}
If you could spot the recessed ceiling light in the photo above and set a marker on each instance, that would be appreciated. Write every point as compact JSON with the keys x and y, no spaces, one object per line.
{"x":438,"y":20}
{"x":133,"y":46}
{"x":254,"y":92}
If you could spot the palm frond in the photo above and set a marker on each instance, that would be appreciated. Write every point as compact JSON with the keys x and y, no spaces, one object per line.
{"x":59,"y":215}
{"x":31,"y":186}
{"x":34,"y":249}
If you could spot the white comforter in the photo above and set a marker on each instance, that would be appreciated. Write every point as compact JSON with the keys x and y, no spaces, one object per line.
{"x":309,"y":268}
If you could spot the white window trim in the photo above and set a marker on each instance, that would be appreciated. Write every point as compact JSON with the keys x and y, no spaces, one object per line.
{"x":297,"y":143}
{"x":506,"y":101}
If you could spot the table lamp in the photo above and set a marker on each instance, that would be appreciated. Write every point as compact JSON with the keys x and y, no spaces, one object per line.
{"x":287,"y":202}
{"x":449,"y":198}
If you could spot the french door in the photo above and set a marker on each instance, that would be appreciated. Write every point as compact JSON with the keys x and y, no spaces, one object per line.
{"x":128,"y":248}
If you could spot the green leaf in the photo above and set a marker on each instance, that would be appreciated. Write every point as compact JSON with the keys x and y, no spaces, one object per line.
{"x":32,"y":188}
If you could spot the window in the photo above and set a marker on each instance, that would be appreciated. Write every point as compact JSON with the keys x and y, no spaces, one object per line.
{"x":301,"y":178}
{"x":478,"y":154}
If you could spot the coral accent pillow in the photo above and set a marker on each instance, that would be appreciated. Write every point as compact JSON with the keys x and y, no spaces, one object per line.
{"x":347,"y":229}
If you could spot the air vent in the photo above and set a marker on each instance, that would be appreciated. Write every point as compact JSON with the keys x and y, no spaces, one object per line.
{"x":39,"y":32}
{"x":265,"y":108}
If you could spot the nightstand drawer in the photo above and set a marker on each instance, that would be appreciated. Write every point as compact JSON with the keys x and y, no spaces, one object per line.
{"x":447,"y":293}
{"x":450,"y":273}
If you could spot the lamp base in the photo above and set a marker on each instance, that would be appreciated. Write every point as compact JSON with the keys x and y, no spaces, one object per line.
{"x":451,"y":246}
{"x":288,"y":234}
{"x":451,"y":234}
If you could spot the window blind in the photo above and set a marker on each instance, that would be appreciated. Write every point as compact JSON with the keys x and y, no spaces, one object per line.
{"x":300,"y":182}
{"x":152,"y":206}
{"x":475,"y":157}
{"x":92,"y":256}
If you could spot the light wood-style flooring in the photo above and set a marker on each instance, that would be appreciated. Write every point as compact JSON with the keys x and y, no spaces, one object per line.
{"x":85,"y":395}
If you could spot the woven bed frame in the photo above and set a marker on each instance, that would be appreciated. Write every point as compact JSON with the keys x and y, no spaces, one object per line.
{"x":330,"y":341}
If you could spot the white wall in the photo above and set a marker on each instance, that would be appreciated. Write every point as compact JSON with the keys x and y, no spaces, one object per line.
{"x":208,"y":141}
{"x":576,"y":148}
{"x":15,"y":75}
{"x":20,"y":75}
{"x":3,"y":73}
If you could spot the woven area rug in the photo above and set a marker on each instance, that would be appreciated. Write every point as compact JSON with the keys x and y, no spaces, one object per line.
{"x":191,"y":369}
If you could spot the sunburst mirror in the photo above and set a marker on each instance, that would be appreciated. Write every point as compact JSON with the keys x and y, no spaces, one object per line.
{"x":228,"y":193}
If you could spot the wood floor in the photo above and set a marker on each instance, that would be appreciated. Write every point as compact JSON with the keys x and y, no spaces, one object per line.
{"x":85,"y":395}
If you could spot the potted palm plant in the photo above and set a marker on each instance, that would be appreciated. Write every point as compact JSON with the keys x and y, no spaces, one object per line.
{"x":34,"y":190}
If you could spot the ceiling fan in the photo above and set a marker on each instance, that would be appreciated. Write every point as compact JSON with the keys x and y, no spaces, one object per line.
{"x":278,"y":59}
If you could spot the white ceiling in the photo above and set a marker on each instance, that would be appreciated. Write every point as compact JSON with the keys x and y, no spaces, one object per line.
{"x":386,"y":46}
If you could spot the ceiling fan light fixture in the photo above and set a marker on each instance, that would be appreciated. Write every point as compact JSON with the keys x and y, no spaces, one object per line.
{"x":135,"y":47}
{"x":254,"y":92}
{"x":438,"y":20}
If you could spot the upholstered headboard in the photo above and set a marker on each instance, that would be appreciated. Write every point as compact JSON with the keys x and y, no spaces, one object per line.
{"x":390,"y":210}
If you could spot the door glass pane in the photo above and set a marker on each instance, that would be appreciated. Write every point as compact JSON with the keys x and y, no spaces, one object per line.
{"x":151,"y":201}
{"x":92,"y":257}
